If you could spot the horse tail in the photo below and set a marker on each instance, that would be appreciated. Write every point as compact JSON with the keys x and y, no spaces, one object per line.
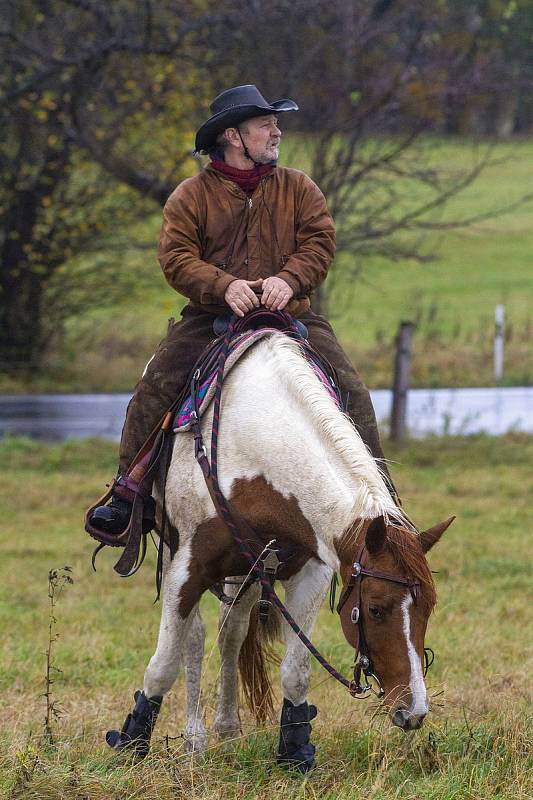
{"x":254,"y":658}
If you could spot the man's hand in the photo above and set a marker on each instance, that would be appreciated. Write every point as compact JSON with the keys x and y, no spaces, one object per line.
{"x":240,"y":296}
{"x":276,"y":293}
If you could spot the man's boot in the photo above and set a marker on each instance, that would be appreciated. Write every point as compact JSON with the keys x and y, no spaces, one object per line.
{"x":112,"y":518}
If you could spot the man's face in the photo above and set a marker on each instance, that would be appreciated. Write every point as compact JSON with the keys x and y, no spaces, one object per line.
{"x":261,"y":136}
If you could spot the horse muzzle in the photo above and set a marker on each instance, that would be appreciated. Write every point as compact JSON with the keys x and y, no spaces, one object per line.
{"x":406,"y":720}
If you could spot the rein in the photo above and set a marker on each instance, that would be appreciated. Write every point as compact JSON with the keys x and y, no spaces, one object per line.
{"x":235,"y":524}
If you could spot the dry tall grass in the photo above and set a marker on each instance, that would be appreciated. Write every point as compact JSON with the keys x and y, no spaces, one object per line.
{"x":475,"y":744}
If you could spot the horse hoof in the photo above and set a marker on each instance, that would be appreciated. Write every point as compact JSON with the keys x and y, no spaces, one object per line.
{"x":228,"y":730}
{"x":195,"y":741}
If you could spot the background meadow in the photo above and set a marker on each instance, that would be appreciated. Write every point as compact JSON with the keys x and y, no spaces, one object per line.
{"x":451,"y":297}
{"x":476,"y":743}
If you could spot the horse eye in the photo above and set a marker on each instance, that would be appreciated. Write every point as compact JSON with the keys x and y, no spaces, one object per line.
{"x":375,"y":612}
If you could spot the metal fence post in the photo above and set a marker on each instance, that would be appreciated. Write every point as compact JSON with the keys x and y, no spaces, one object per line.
{"x":402,"y":372}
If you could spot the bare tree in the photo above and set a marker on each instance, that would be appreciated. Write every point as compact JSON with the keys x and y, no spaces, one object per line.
{"x":82,"y":82}
{"x":99,"y":95}
{"x":373,"y":79}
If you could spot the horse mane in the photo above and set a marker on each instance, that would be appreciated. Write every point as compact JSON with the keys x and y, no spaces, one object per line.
{"x":406,"y":549}
{"x":373,"y":499}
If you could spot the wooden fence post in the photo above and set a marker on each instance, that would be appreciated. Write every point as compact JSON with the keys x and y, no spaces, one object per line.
{"x":402,"y":372}
{"x":499,"y":321}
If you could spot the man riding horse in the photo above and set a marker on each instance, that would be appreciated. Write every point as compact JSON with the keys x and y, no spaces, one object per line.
{"x":243,"y":233}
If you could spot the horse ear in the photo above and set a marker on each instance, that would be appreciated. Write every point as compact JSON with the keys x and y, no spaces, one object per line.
{"x":376,"y":536}
{"x":432,"y":535}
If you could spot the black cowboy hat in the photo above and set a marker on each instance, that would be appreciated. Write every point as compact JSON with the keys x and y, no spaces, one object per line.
{"x":234,"y":106}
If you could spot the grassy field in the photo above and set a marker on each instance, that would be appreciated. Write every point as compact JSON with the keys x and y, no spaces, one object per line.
{"x":451,"y":299}
{"x":476,"y":743}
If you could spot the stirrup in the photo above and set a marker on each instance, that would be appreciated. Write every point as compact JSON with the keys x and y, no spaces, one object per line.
{"x":120,"y":539}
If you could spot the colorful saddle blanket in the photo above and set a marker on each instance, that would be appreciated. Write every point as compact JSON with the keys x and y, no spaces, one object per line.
{"x":239,"y":346}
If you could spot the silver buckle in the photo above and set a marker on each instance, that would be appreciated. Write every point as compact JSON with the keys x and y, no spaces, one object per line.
{"x":368,"y":687}
{"x":271,"y":562}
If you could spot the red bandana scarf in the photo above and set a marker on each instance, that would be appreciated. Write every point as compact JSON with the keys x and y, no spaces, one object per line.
{"x":246,"y":179}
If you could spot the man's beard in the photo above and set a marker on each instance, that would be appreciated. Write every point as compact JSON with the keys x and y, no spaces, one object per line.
{"x":268,"y":156}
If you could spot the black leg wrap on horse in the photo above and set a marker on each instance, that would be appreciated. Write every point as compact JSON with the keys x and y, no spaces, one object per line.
{"x":295,"y":748}
{"x":137,"y":729}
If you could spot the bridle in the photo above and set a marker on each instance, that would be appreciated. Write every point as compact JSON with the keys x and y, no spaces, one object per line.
{"x":363,"y":665}
{"x":238,"y":526}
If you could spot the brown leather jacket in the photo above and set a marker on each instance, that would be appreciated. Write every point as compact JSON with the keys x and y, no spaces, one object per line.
{"x":213,"y":233}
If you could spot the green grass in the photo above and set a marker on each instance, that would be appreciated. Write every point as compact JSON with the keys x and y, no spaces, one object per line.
{"x":451,"y":299}
{"x":475,"y":744}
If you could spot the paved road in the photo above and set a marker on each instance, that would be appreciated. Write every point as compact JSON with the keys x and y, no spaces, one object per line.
{"x":439,"y":411}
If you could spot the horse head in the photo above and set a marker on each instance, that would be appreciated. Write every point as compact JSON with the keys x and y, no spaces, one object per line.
{"x":388,"y":595}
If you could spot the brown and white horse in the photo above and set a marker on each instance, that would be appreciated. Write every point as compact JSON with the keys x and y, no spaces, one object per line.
{"x":294,"y":467}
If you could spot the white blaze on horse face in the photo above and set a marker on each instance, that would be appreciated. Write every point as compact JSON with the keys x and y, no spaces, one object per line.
{"x":419,"y":703}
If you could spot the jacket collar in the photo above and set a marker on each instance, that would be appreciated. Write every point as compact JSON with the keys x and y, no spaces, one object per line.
{"x":231,"y":185}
